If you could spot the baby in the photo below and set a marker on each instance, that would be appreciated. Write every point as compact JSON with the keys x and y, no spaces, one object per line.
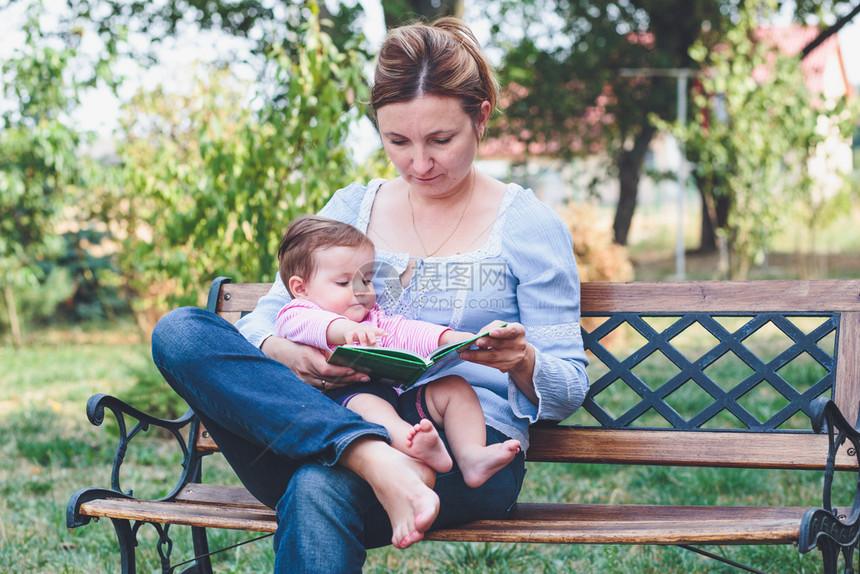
{"x":328,"y":267}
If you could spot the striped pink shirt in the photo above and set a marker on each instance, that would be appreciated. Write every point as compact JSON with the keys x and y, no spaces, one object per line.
{"x":302,"y":321}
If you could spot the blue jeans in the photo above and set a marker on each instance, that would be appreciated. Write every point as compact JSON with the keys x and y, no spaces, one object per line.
{"x":283,"y":438}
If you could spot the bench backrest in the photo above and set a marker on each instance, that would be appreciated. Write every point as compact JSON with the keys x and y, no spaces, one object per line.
{"x":715,"y":373}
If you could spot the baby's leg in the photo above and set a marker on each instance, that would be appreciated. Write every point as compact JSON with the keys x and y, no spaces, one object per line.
{"x":421,"y":441}
{"x":454,"y":404}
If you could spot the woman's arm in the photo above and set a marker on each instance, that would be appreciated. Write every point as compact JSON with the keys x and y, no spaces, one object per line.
{"x":259,"y":324}
{"x":544,"y":354}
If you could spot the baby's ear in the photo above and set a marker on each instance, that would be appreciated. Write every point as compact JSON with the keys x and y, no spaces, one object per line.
{"x":297,"y":286}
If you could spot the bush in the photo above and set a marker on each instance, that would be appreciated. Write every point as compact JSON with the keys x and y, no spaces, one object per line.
{"x":597,"y":256}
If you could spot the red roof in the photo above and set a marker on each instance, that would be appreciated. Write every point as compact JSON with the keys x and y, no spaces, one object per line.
{"x":792,"y":39}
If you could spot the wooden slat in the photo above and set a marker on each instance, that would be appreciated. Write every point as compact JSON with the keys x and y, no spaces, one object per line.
{"x":633,"y":524}
{"x":231,"y":316}
{"x":683,"y":448}
{"x":240,"y":297}
{"x":587,"y":523}
{"x":847,"y":385}
{"x":204,"y":442}
{"x":207,"y":516}
{"x":670,"y":448}
{"x":219,"y":495}
{"x":727,"y":296}
{"x":824,"y":295}
{"x":529,"y":522}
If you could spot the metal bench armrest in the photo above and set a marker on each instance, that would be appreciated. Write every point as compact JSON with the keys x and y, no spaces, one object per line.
{"x":191,"y":459}
{"x":831,"y":530}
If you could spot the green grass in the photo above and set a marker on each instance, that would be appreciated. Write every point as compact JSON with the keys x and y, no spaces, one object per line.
{"x":50,"y":450}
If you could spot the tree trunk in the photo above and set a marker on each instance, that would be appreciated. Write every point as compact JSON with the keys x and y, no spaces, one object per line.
{"x":629,"y":171}
{"x":13,"y":317}
{"x":708,"y":235}
{"x":715,"y":214}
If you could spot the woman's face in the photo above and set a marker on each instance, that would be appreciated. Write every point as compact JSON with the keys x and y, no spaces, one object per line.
{"x":432,"y":142}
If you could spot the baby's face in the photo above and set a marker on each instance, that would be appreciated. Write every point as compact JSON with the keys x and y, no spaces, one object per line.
{"x":343,"y":281}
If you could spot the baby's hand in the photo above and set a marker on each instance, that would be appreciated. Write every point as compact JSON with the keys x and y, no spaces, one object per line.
{"x":363,"y":335}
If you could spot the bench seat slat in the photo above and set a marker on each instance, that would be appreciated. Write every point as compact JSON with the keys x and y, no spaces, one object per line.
{"x":219,"y":495}
{"x":205,"y":515}
{"x":590,"y":523}
{"x":634,"y":524}
{"x":233,"y":507}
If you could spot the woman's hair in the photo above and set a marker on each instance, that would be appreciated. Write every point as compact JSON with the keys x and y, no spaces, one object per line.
{"x":439,"y":59}
{"x":306,"y":235}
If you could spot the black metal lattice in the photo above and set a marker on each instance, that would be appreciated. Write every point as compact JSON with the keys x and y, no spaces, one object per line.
{"x":722,"y":396}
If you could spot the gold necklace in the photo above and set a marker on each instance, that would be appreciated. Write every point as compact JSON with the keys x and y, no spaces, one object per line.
{"x":456,"y":227}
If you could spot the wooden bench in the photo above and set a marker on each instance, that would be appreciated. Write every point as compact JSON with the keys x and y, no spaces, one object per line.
{"x":628,"y":420}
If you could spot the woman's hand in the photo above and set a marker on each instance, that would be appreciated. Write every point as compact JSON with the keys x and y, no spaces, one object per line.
{"x":309,"y":364}
{"x":506,"y":349}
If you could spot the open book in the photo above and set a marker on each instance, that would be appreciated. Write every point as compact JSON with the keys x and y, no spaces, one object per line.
{"x":398,"y":367}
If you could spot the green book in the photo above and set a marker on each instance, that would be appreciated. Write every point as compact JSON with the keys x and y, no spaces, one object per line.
{"x":398,"y":367}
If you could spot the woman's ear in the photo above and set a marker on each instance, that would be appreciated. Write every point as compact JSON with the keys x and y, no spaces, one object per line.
{"x":297,"y":287}
{"x":484,"y":118}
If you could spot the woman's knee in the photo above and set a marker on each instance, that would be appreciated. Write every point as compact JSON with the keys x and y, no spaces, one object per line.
{"x":170,"y":329}
{"x":177,"y":325}
{"x":188,"y":334}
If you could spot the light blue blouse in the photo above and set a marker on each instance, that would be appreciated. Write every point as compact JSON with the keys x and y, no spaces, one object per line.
{"x":525,"y":273}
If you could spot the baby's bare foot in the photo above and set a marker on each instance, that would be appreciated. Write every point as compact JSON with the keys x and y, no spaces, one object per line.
{"x":487,"y":461}
{"x":424,"y":443}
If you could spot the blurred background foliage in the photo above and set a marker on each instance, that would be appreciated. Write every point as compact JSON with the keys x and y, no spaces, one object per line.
{"x":201,"y":181}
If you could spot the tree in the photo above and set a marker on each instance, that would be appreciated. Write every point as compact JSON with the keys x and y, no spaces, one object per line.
{"x":586,"y":101}
{"x":262,"y":20}
{"x":39,"y":164}
{"x":210,"y":184}
{"x":575,"y":54}
{"x":755,"y":132}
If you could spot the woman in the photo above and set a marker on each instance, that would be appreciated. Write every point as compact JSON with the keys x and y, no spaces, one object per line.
{"x":454,"y":247}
